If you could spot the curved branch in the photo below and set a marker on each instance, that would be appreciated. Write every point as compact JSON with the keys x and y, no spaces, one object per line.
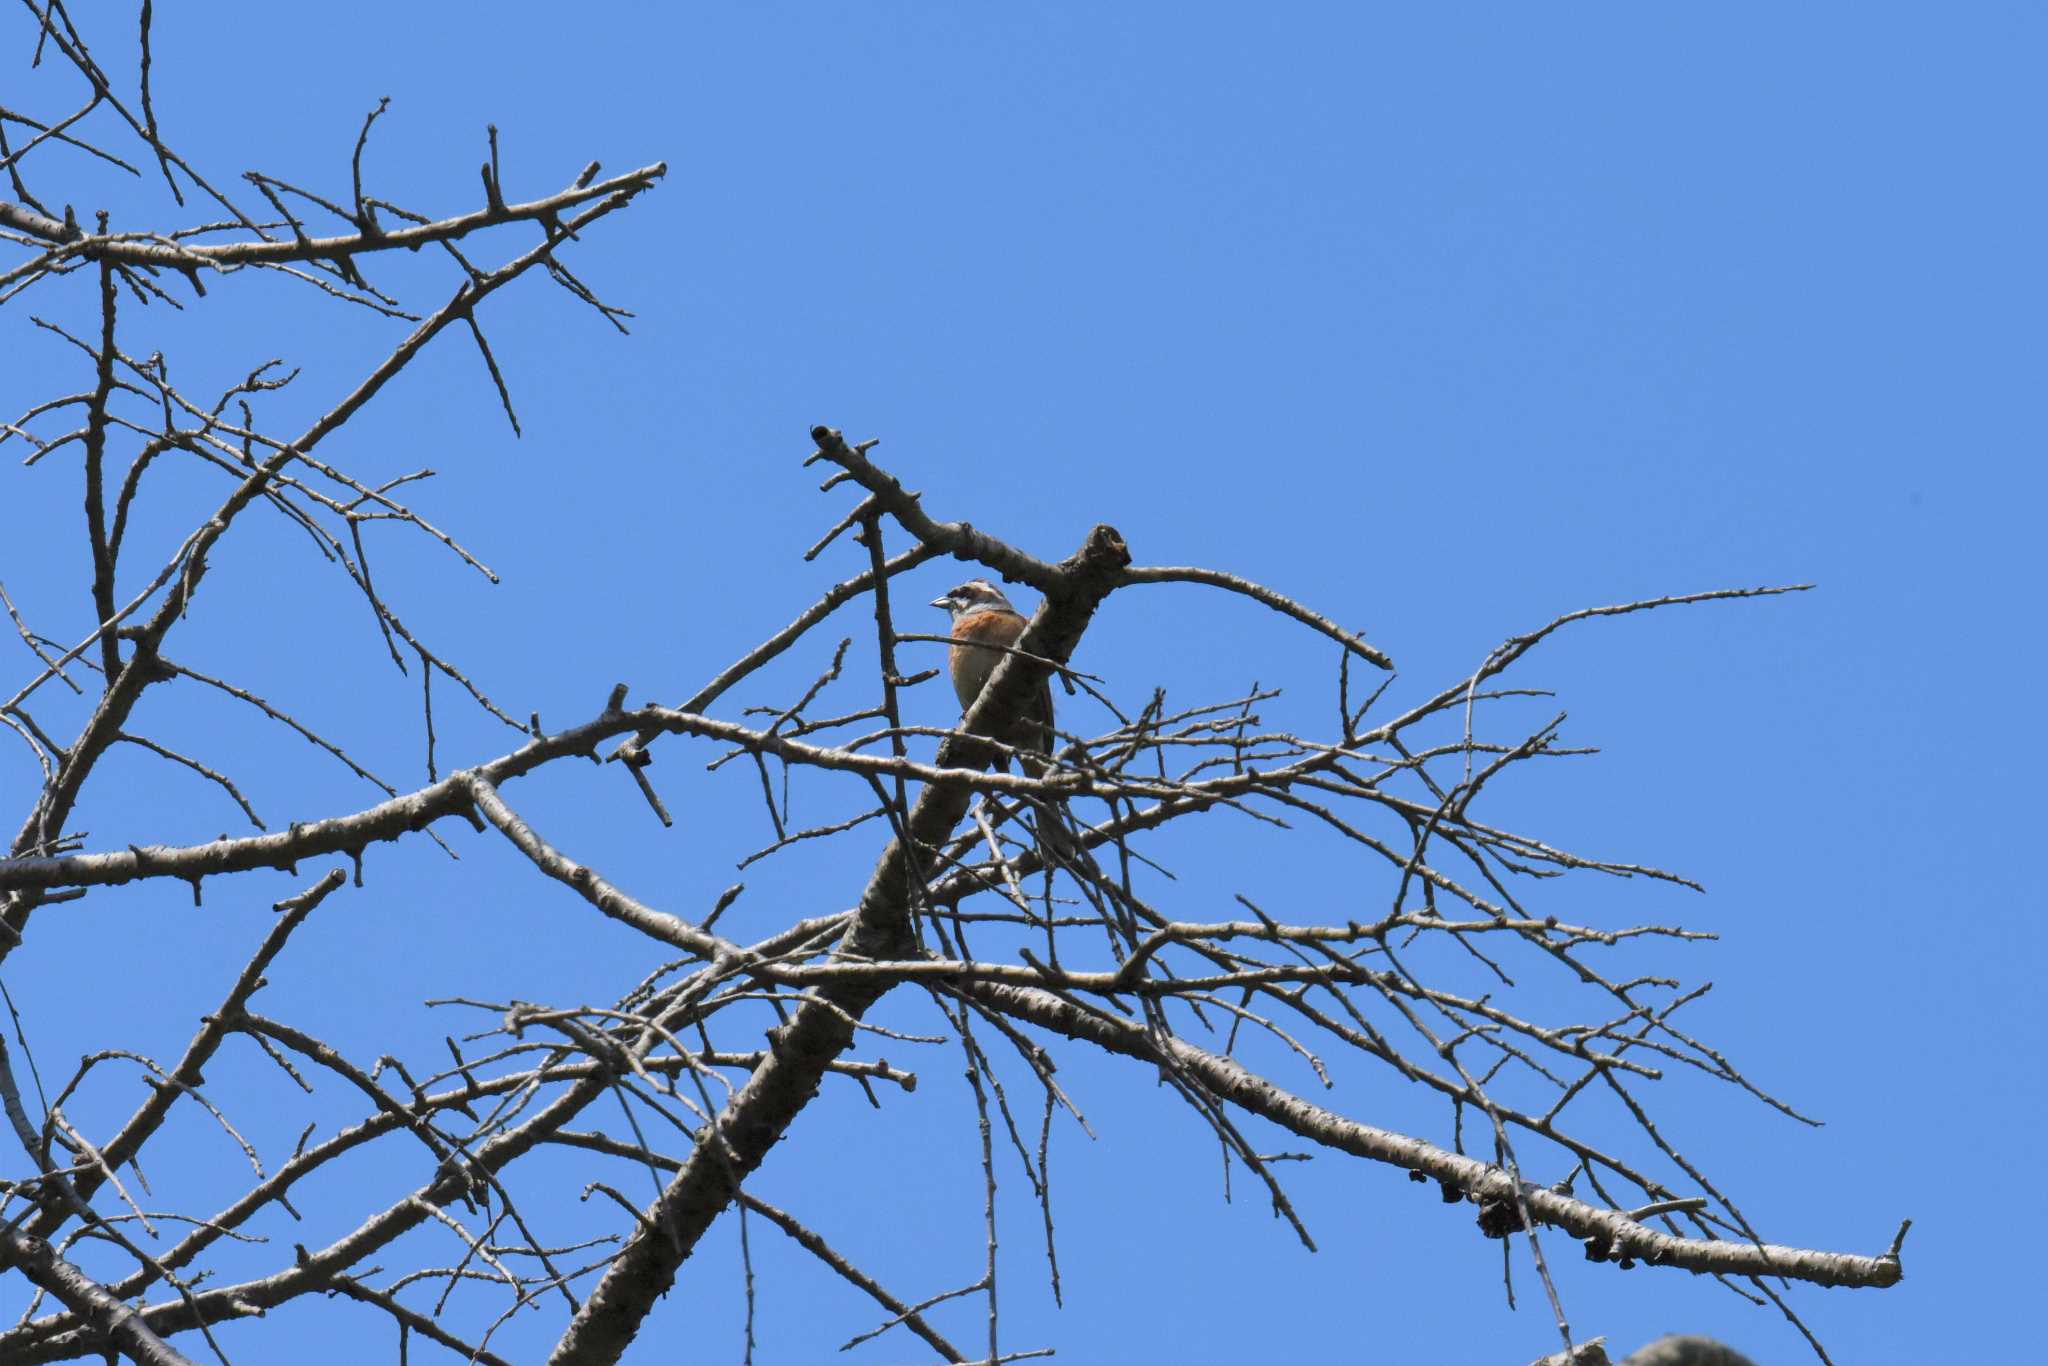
{"x":1259,"y":593}
{"x":1610,"y":1235}
{"x":134,"y":250}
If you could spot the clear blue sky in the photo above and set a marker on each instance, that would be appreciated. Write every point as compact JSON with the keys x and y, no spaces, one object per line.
{"x":1445,"y":319}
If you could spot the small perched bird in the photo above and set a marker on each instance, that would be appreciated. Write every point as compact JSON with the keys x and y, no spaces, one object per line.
{"x":983,"y":617}
{"x":982,"y":614}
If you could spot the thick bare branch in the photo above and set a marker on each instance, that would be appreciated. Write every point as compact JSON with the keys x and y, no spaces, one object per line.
{"x":822,"y":1027}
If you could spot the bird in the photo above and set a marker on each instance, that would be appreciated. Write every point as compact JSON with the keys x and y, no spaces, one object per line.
{"x":981,"y":613}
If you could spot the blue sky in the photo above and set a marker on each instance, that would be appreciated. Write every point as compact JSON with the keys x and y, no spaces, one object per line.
{"x":1445,"y":319}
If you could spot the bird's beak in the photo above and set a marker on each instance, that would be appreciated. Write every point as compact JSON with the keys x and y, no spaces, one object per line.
{"x":942,"y":602}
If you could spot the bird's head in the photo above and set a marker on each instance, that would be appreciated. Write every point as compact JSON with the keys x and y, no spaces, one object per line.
{"x":976,"y":595}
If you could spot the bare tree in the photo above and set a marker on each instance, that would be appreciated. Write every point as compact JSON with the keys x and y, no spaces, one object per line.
{"x":1013,"y":905}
